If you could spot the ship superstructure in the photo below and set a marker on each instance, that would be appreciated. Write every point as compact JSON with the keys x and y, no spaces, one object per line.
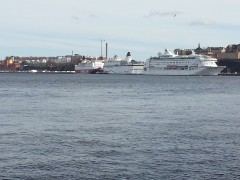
{"x":117,"y":65}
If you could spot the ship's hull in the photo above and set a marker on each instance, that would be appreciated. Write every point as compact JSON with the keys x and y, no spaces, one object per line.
{"x":89,"y":67}
{"x":89,"y":71}
{"x":124,"y":69}
{"x":205,"y":71}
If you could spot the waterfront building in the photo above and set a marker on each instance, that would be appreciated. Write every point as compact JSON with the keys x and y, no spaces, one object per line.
{"x":183,"y":51}
{"x":9,"y":64}
{"x":232,"y":52}
{"x":231,"y":59}
{"x":210,"y":51}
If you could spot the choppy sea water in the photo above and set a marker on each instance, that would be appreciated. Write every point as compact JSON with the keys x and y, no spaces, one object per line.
{"x":72,"y":126}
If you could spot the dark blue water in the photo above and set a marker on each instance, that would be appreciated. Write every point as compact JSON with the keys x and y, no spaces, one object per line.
{"x":70,"y":126}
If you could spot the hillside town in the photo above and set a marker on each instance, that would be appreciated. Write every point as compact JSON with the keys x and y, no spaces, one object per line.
{"x":226,"y":56}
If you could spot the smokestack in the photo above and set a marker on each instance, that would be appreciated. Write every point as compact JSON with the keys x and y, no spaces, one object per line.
{"x":106,"y":50}
{"x":128,"y":54}
{"x":128,"y":57}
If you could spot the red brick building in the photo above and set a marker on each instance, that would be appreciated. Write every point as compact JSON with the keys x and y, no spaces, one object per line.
{"x":9,"y":64}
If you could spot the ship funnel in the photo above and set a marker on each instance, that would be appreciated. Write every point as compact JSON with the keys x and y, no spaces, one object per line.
{"x":128,"y":57}
{"x":128,"y":54}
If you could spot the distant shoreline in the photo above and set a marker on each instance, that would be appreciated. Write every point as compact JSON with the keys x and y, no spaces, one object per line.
{"x":40,"y":72}
{"x":73,"y":72}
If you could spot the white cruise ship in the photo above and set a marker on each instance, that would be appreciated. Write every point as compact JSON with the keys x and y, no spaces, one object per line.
{"x":169,"y":63}
{"x":126,"y":66}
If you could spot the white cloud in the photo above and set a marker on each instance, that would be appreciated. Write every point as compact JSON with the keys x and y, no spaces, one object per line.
{"x":75,"y":18}
{"x":155,"y":13}
{"x":92,"y":15}
{"x":202,"y":23}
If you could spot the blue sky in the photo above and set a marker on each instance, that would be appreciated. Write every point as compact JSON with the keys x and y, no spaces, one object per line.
{"x":143,"y":27}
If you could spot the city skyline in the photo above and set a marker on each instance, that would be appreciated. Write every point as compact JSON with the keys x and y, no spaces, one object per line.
{"x":55,"y":28}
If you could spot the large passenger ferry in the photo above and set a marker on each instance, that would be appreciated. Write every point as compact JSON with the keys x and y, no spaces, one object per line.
{"x":89,"y":67}
{"x":169,"y":63}
{"x":117,"y":65}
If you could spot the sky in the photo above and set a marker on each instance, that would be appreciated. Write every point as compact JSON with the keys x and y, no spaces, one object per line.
{"x":142,"y":27}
